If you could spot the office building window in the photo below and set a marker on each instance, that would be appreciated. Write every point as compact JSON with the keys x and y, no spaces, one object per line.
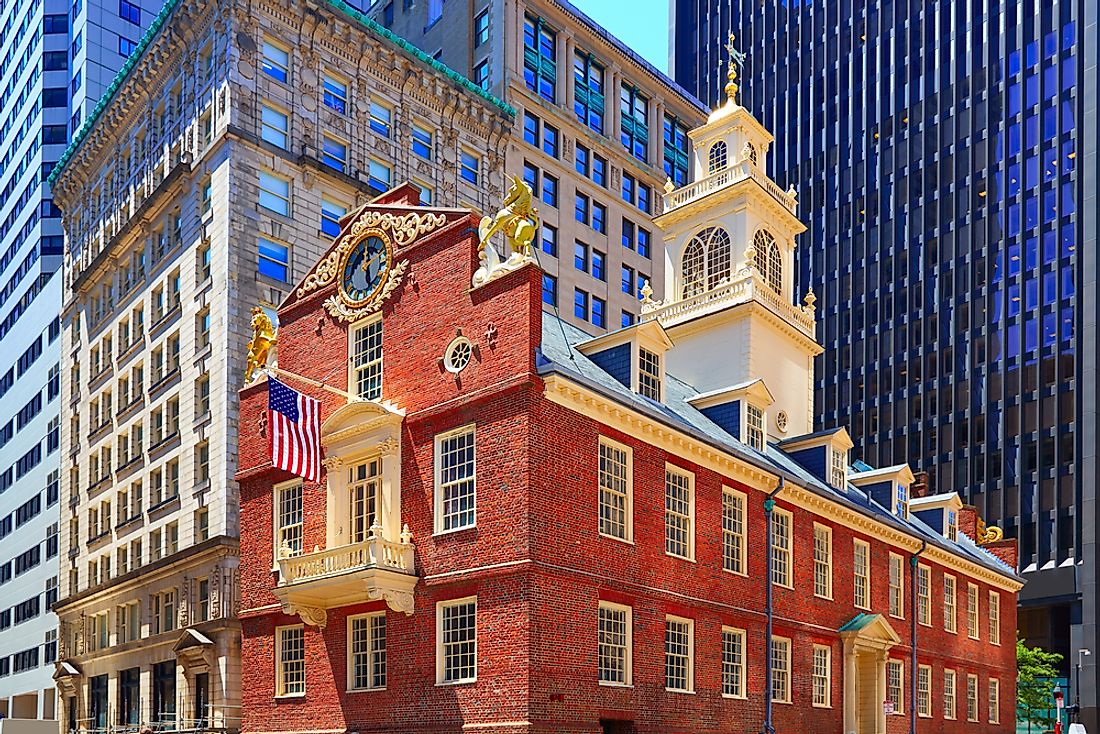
{"x":274,"y":126}
{"x":334,"y":154}
{"x":335,"y":95}
{"x":276,"y":61}
{"x":634,"y":125}
{"x":588,"y":91}
{"x":275,"y":193}
{"x":274,"y":260}
{"x":676,"y":151}
{"x":539,"y":58}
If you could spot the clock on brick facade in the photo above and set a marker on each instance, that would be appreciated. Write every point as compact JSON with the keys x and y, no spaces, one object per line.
{"x":364,"y":268}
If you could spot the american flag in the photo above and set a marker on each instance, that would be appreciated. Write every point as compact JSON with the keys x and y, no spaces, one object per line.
{"x":295,"y":422}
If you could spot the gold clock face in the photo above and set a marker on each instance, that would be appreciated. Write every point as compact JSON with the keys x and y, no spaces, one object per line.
{"x":365,"y":268}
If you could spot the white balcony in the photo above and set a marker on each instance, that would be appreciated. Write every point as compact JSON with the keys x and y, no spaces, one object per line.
{"x":376,"y":568}
{"x":745,"y":287}
{"x":725,"y":178}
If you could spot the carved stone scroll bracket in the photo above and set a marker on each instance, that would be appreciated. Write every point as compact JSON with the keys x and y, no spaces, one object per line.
{"x":313,"y":616}
{"x":398,"y":601}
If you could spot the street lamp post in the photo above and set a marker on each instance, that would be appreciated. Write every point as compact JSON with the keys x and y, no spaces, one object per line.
{"x":1081,"y":654}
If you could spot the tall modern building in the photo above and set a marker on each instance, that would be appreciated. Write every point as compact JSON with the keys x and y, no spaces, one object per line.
{"x":598,"y":131}
{"x":945,"y":156}
{"x":55,"y":60}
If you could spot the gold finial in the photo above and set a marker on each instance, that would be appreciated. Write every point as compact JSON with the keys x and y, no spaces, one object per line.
{"x":731,"y":71}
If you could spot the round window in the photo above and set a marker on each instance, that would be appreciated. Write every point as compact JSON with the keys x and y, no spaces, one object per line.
{"x":458,"y":354}
{"x":781,"y":421}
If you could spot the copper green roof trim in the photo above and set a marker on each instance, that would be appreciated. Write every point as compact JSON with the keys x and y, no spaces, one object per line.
{"x":162,"y":17}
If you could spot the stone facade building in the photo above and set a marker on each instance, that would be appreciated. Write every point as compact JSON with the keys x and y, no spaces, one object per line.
{"x":210,"y":178}
{"x":598,"y":131}
{"x":525,"y":528}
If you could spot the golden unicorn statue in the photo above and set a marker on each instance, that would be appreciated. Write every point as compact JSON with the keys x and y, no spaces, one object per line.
{"x":519,"y":222}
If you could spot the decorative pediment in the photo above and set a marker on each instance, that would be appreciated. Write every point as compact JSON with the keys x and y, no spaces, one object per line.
{"x":67,"y":677}
{"x":397,"y":226}
{"x":194,"y":650}
{"x":358,"y":419}
{"x":870,"y":631}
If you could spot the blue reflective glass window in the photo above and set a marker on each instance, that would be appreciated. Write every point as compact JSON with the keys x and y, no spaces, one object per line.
{"x":1069,"y":241}
{"x":580,"y":304}
{"x":1013,"y":220}
{"x":1050,"y":329}
{"x":1014,"y":140}
{"x":1068,"y":291}
{"x":1013,"y":300}
{"x":1014,"y":62}
{"x":1067,"y":117}
{"x":1031,"y":212}
{"x":1050,"y":247}
{"x":1014,"y":99}
{"x":1050,"y":205}
{"x":530,"y":129}
{"x":1069,"y":204}
{"x":1050,"y":288}
{"x":1050,"y":82}
{"x":1067,"y":324}
{"x":549,"y":289}
{"x":1031,"y":91}
{"x":1069,"y":35}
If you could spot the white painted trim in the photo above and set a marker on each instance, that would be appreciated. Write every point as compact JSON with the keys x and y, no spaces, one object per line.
{"x":894,"y":557}
{"x":744,"y":559}
{"x":604,"y":440}
{"x":954,"y":628}
{"x":629,"y":673}
{"x":350,"y":667}
{"x":776,"y":513}
{"x":742,"y":666}
{"x":994,"y":618}
{"x":439,"y":661}
{"x":353,"y":329}
{"x":857,"y":542}
{"x":920,"y":669}
{"x":690,"y":476}
{"x":789,"y":667}
{"x":926,"y":571}
{"x":280,"y":683}
{"x":437,"y":485}
{"x":691,"y":653}
{"x":828,"y":677}
{"x":276,"y":493}
{"x":828,"y":563}
{"x":973,"y":612}
{"x":954,"y":711}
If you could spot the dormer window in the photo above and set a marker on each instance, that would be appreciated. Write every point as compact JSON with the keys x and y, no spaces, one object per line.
{"x":901,"y":501}
{"x":838,"y":468}
{"x":717,"y":157}
{"x":952,"y":525}
{"x":649,"y":374}
{"x":754,"y":427}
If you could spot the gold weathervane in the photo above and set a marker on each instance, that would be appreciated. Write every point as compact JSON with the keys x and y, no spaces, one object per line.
{"x":259,"y":347}
{"x":731,"y":71}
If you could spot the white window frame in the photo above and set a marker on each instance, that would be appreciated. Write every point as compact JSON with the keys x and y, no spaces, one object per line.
{"x":276,"y":519}
{"x":897,"y":586}
{"x":690,"y":624}
{"x":372,"y":651}
{"x":628,"y":648}
{"x":782,"y":573}
{"x":823,"y":560}
{"x":838,"y":468}
{"x":733,"y":661}
{"x":816,"y":677}
{"x":440,"y":526}
{"x":387,"y":123}
{"x":861,"y":573}
{"x":285,"y":67}
{"x":754,"y":426}
{"x":650,"y":384}
{"x":924,"y":595}
{"x":951,"y":604}
{"x":993,"y":700}
{"x":973,"y":609}
{"x":924,"y":691}
{"x":734,"y":506}
{"x":950,"y":694}
{"x":281,"y":664}
{"x":784,"y":646}
{"x":440,"y":649}
{"x":897,"y":666}
{"x":670,"y":471}
{"x":972,"y":688}
{"x":994,"y":618}
{"x":356,"y":371}
{"x":340,"y":142}
{"x":337,"y":81}
{"x":611,"y":492}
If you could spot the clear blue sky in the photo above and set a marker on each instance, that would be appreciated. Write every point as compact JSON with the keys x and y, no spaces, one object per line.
{"x":640,"y":24}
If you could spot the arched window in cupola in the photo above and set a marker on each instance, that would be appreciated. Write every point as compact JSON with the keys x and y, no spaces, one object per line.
{"x":752,"y":152}
{"x":706,"y":262}
{"x":770,"y":259}
{"x":718,"y":258}
{"x":717,"y":157}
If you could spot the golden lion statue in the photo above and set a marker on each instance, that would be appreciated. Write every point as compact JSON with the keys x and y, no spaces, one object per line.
{"x":263,"y":339}
{"x":518,"y":220}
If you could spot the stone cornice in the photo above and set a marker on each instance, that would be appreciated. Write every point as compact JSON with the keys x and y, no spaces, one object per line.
{"x":574,"y":396}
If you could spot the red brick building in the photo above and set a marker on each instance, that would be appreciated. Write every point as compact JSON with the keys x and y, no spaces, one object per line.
{"x":525,"y":528}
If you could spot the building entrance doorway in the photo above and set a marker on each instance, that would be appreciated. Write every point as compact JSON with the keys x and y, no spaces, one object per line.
{"x":867,"y":641}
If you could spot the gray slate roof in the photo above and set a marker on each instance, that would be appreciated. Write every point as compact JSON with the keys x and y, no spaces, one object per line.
{"x":558,"y":354}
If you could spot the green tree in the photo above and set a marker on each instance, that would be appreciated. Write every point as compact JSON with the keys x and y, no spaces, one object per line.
{"x":1035,"y":672}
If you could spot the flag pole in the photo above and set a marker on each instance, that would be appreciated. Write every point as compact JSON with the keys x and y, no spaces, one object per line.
{"x":311,"y":381}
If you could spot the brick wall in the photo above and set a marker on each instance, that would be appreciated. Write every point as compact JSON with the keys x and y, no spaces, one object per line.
{"x":536,"y":561}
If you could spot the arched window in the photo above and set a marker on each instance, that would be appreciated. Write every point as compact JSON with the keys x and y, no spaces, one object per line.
{"x":717,"y":157}
{"x":706,"y":262}
{"x":769,"y":258}
{"x":752,"y":153}
{"x":718,"y":258}
{"x":694,"y":265}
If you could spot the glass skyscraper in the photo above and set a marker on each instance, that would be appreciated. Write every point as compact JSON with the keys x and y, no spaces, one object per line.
{"x":56,"y":59}
{"x":944,"y":155}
